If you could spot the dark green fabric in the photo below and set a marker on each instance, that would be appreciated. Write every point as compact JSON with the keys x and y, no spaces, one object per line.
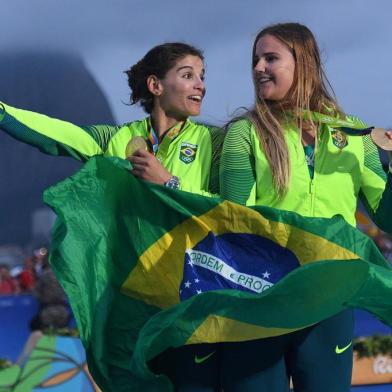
{"x":107,"y":219}
{"x":382,"y":215}
{"x":217,"y":138}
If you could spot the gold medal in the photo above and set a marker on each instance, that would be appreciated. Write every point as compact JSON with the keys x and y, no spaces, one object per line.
{"x":381,"y":139}
{"x":136,"y":143}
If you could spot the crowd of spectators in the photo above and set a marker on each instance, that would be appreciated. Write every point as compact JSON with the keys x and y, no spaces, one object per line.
{"x":37,"y":278}
{"x":8,"y":284}
{"x":23,"y":279}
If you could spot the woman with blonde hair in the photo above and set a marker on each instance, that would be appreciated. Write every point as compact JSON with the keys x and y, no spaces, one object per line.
{"x":290,"y":152}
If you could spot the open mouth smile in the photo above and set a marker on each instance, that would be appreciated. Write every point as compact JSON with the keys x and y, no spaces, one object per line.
{"x":263,"y":78}
{"x":196,"y":98}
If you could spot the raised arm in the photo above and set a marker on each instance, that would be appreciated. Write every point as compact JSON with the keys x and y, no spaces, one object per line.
{"x":53,"y":136}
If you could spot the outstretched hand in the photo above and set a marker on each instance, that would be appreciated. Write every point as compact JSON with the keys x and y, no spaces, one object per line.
{"x":147,"y":167}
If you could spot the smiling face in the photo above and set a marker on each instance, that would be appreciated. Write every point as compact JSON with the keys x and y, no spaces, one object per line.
{"x":182,"y":90}
{"x":273,"y":68}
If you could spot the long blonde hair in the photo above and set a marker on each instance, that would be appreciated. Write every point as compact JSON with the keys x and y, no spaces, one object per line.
{"x":308,"y":92}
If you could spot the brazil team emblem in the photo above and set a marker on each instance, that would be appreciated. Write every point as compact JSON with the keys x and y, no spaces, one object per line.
{"x":188,"y":152}
{"x":339,"y":139}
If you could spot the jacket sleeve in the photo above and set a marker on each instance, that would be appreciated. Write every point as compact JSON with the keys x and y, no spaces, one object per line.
{"x":376,"y":187}
{"x":217,"y":137}
{"x":53,"y":136}
{"x":237,"y":169}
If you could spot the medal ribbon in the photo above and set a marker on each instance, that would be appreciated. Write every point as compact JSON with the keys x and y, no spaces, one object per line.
{"x":161,"y":150}
{"x":153,"y":139}
{"x":351,"y":127}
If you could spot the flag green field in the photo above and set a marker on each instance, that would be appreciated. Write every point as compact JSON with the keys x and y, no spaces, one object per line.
{"x":147,"y":268}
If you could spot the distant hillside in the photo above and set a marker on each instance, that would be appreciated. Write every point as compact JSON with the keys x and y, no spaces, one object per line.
{"x":59,"y":85}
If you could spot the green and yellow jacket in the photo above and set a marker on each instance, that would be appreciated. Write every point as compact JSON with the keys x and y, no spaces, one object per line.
{"x":193,"y":155}
{"x":345,"y":168}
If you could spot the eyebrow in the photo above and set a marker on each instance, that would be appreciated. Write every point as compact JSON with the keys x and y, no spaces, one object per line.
{"x":270,"y":53}
{"x":190,"y":67}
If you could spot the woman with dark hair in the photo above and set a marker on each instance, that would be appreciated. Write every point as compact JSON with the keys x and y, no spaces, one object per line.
{"x":290,"y":152}
{"x":168,"y":82}
{"x":165,"y":148}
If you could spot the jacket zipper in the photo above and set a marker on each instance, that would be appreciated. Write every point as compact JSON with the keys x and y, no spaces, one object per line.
{"x":311,"y":192}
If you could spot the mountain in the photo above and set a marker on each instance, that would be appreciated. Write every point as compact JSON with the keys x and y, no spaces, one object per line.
{"x":57,"y":84}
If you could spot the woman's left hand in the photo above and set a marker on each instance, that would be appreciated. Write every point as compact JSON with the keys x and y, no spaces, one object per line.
{"x":147,"y":167}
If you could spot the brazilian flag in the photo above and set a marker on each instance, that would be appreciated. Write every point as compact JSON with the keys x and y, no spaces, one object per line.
{"x":147,"y":268}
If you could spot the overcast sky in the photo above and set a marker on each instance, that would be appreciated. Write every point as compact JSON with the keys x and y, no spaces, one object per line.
{"x":355,"y":38}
